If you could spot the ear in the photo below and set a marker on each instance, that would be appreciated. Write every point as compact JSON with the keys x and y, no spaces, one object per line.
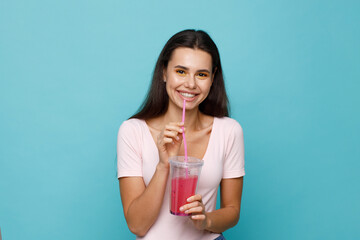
{"x":164,"y":75}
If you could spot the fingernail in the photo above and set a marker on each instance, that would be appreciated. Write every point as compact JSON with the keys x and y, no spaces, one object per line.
{"x":177,"y":138}
{"x":189,"y":199}
{"x":181,"y":208}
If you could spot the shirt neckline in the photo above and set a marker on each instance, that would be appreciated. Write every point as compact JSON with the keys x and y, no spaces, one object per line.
{"x":208,"y":145}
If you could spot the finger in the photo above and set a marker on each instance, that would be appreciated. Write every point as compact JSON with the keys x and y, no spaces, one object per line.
{"x":167,"y":140}
{"x":198,"y":217}
{"x":196,"y":197}
{"x":198,"y":209}
{"x":181,"y":124}
{"x":172,"y":134}
{"x":174,"y":128}
{"x":190,"y":205}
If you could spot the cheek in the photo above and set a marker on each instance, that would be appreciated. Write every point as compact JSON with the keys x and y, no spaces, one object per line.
{"x":206,"y":87}
{"x":170,"y":86}
{"x":167,"y":88}
{"x":173,"y":82}
{"x":174,"y":79}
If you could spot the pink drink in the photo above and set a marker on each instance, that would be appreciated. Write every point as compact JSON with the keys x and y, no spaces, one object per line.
{"x":181,"y":189}
{"x":184,"y":175}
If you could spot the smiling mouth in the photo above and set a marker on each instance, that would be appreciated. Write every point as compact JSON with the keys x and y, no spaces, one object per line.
{"x":187,"y":95}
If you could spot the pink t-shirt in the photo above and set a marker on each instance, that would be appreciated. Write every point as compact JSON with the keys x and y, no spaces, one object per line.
{"x":224,"y":158}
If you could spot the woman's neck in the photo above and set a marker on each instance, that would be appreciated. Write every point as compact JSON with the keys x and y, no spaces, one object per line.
{"x":193,"y":118}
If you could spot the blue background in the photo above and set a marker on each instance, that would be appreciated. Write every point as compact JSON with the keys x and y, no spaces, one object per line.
{"x":72,"y":71}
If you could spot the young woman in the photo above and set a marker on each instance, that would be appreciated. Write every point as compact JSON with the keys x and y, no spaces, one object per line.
{"x":188,"y":68}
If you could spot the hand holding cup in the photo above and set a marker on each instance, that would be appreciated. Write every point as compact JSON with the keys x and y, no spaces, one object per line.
{"x":196,"y":208}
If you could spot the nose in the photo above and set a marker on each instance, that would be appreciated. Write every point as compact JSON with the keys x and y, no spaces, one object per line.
{"x":190,"y":82}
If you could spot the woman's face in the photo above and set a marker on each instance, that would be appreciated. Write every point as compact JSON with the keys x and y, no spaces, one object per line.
{"x":188,"y":76}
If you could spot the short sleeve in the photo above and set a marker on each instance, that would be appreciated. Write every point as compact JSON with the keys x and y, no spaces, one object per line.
{"x":129,"y":161}
{"x":234,"y":165}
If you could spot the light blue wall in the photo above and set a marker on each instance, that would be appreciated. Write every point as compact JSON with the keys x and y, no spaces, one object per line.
{"x":72,"y":71}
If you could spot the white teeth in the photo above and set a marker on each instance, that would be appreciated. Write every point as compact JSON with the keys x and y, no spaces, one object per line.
{"x":189,"y":95}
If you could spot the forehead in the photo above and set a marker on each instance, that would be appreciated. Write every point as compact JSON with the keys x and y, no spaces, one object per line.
{"x":191,"y":58}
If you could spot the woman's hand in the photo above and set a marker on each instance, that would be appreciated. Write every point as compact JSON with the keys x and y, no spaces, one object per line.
{"x":196,"y":208}
{"x":169,"y":142}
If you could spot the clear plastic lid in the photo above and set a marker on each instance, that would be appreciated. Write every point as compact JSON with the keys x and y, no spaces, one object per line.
{"x":179,"y":161}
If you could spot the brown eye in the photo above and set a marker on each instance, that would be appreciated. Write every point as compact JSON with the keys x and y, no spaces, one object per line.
{"x":180,"y":72}
{"x":202,"y":75}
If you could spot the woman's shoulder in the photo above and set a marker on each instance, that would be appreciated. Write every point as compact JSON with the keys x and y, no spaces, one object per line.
{"x":228,"y":123}
{"x":132,"y":124}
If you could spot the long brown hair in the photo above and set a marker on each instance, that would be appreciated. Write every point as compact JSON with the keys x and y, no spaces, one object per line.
{"x":157,"y":100}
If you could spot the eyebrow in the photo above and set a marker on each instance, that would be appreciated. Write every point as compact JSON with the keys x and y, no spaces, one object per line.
{"x":186,"y":68}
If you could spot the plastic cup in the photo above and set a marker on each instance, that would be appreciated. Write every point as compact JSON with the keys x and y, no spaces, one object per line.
{"x":184,"y":176}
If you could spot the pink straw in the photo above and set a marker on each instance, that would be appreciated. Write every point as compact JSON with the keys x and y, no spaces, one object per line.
{"x":183,"y":133}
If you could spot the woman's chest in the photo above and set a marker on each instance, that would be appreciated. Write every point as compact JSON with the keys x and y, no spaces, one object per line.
{"x":197,"y":144}
{"x":203,"y":147}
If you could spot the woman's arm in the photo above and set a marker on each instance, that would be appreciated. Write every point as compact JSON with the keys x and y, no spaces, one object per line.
{"x":229,"y":213}
{"x":142,"y":203}
{"x":224,"y":218}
